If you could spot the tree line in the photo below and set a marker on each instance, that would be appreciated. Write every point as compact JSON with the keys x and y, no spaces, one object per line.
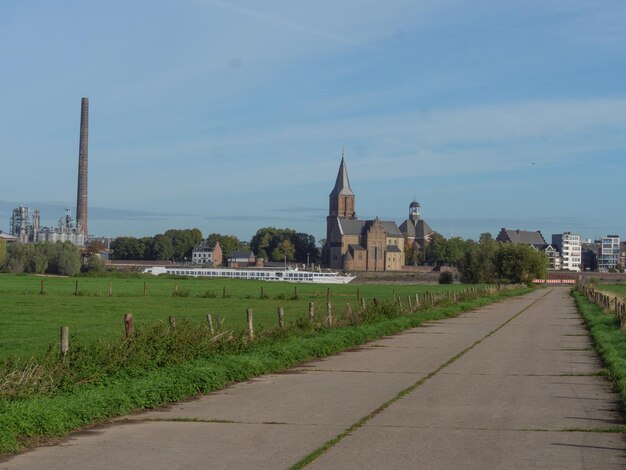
{"x":269,"y":243}
{"x":62,"y":258}
{"x":483,"y":261}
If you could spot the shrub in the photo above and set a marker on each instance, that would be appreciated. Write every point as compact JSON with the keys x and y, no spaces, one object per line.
{"x":446,"y":277}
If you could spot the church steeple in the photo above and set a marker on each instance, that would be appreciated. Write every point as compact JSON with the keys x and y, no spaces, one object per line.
{"x":414,"y":211}
{"x":342,"y":197}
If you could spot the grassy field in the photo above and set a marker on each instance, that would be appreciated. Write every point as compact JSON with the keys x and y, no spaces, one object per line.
{"x":30,"y":322}
{"x":619,"y":289}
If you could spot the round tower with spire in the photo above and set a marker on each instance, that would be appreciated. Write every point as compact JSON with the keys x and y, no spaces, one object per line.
{"x":414,"y":211}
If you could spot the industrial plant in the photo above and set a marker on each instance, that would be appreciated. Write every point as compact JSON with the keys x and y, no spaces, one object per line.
{"x":28,"y":229}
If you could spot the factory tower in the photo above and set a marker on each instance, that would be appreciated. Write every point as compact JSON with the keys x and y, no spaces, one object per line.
{"x":83,"y":153}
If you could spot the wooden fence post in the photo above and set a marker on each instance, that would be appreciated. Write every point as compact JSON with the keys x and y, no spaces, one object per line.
{"x":250,"y":323}
{"x":42,"y":290}
{"x":262,"y":293}
{"x":281,"y":317}
{"x":128,"y":324}
{"x":145,"y":289}
{"x":110,"y":289}
{"x":410,"y":303}
{"x":358,"y":294}
{"x":362,"y":303}
{"x":65,"y":340}
{"x":209,"y":320}
{"x":349,"y":310}
{"x":311,"y":311}
{"x":76,"y":288}
{"x":172,"y":320}
{"x":224,"y":292}
{"x":329,"y":314}
{"x":417,"y":301}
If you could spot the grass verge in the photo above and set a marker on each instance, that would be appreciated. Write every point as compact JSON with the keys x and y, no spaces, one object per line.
{"x":28,"y":421}
{"x":609,"y":339}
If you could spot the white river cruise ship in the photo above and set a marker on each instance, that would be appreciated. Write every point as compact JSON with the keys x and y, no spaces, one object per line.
{"x":285,"y":275}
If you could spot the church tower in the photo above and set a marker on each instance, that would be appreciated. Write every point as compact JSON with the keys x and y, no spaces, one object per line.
{"x":341,"y":202}
{"x":340,"y":206}
{"x":414,"y":211}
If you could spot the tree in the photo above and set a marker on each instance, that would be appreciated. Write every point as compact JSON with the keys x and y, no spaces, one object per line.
{"x":271,"y":241}
{"x":69,"y":260}
{"x":305,"y":248}
{"x":228,"y":243}
{"x":284,"y":251}
{"x":3,"y":253}
{"x":95,"y":246}
{"x":130,"y":248}
{"x":95,"y":264}
{"x":520,"y":263}
{"x":183,"y":242}
{"x":162,"y":248}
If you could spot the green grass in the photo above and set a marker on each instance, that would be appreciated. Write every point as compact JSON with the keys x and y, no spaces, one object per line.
{"x":30,"y":322}
{"x":28,"y":420}
{"x":610,"y":341}
{"x":619,"y":289}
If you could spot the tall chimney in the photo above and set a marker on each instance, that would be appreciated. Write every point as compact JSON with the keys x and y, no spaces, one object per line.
{"x":83,"y":153}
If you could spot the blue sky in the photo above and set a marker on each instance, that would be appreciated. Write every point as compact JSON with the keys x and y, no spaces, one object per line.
{"x":231,"y":115}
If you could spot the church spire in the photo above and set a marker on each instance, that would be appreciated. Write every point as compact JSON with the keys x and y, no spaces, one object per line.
{"x":342,"y":184}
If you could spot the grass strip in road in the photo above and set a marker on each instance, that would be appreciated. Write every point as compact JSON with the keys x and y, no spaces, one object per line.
{"x":609,"y":339}
{"x":29,"y":421}
{"x":335,"y":440}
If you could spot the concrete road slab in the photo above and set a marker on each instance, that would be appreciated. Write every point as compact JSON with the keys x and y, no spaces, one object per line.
{"x":179,"y":445}
{"x":506,"y":402}
{"x":471,"y":449}
{"x":302,"y":397}
{"x":489,"y":360}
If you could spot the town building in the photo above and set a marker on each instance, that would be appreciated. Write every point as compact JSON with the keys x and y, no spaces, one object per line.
{"x":359,"y":245}
{"x":589,"y":256}
{"x":609,"y":253}
{"x":522,"y":237}
{"x":568,"y":244}
{"x":553,"y":257}
{"x":210,"y":255}
{"x":7,"y":238}
{"x":241,"y":259}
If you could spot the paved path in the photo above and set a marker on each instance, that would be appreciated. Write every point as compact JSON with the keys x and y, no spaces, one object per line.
{"x":512,"y":385}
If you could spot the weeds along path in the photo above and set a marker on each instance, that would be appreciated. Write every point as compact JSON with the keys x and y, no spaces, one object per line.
{"x":513,"y":384}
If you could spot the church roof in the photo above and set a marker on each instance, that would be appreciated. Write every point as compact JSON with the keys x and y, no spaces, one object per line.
{"x":355,"y":247}
{"x":523,"y":237}
{"x":355,"y":227}
{"x":419,"y":230}
{"x":342,"y":185}
{"x":393,"y":249}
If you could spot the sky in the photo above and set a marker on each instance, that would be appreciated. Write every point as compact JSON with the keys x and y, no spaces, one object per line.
{"x":232,"y":115}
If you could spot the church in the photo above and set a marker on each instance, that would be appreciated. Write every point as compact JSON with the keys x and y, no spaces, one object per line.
{"x":367,"y":245}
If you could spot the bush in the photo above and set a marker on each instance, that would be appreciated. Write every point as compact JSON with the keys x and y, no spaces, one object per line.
{"x":209,"y":294}
{"x":446,"y":277}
